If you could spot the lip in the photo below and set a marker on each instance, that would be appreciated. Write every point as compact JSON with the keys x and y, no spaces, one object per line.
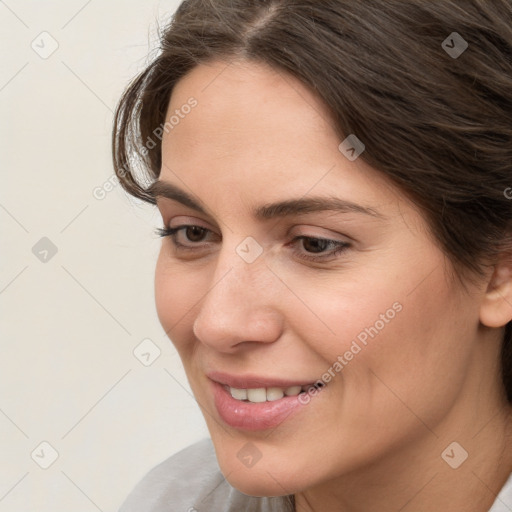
{"x":253,"y":416}
{"x":255,"y":381}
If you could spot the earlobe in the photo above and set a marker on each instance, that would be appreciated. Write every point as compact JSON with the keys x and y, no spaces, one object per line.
{"x":496,"y":307}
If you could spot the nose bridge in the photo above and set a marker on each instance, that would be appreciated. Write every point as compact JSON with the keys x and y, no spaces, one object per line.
{"x":238,"y":306}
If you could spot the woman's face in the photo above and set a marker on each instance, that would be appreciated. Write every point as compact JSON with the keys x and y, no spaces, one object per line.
{"x":356,"y":295}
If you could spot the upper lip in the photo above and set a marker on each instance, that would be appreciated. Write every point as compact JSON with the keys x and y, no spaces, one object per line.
{"x":251,"y":381}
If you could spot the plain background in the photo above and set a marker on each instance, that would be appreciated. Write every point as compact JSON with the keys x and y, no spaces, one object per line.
{"x":72,"y":319}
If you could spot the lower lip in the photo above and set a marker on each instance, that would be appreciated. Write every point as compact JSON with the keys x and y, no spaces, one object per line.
{"x":253,"y":416}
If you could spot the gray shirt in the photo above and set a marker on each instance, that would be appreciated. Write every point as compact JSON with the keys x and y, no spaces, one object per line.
{"x":191,"y":481}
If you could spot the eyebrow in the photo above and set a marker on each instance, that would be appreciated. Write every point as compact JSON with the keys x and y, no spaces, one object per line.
{"x":284,"y":208}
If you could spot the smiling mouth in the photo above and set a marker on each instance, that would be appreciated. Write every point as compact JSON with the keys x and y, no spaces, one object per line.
{"x":255,"y":402}
{"x":269,"y":394}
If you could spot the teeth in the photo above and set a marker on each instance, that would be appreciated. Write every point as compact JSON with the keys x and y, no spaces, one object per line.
{"x":239,"y":394}
{"x":258,"y":395}
{"x":293,"y":390}
{"x":274,"y":394}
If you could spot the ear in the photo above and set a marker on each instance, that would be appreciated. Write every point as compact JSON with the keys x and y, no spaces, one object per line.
{"x":496,"y":307}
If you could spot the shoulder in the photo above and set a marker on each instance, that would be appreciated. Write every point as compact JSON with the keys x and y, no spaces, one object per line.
{"x":503,"y":502}
{"x":191,"y":481}
{"x":173,"y":484}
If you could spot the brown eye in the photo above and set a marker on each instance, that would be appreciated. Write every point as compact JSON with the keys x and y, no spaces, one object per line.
{"x":318,"y":249}
{"x":190,"y":235}
{"x":315,"y":244}
{"x":195,"y":233}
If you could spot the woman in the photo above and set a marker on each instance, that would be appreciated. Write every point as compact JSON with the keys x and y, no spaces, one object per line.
{"x":336,"y":267}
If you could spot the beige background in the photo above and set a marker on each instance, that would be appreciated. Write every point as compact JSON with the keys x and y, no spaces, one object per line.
{"x":70,"y":321}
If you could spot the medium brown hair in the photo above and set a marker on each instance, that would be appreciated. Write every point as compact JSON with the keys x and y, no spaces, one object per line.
{"x":436,"y":123}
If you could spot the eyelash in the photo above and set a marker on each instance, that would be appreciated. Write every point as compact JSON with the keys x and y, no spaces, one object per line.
{"x":339,"y":246}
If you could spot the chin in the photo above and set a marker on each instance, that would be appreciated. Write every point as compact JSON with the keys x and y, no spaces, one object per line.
{"x":258,"y":483}
{"x":270,"y":476}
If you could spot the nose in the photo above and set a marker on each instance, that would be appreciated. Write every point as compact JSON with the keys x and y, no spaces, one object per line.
{"x":240,"y":307}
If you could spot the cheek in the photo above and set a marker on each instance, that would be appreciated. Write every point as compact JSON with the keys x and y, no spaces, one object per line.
{"x":336,"y":316}
{"x":177,"y":291}
{"x":396,"y":339}
{"x":420,"y":359}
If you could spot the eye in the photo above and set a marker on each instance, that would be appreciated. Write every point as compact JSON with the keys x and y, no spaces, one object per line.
{"x":319,"y":246}
{"x":314,"y":249}
{"x":193,"y":234}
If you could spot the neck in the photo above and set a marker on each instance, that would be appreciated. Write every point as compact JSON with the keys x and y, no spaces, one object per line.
{"x":429,"y":473}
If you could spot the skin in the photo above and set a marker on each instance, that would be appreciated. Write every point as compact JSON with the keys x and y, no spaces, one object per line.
{"x":373,"y":438}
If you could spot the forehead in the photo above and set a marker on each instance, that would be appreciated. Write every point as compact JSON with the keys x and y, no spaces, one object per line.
{"x":239,"y":101}
{"x":243,"y":79}
{"x":262,"y":133}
